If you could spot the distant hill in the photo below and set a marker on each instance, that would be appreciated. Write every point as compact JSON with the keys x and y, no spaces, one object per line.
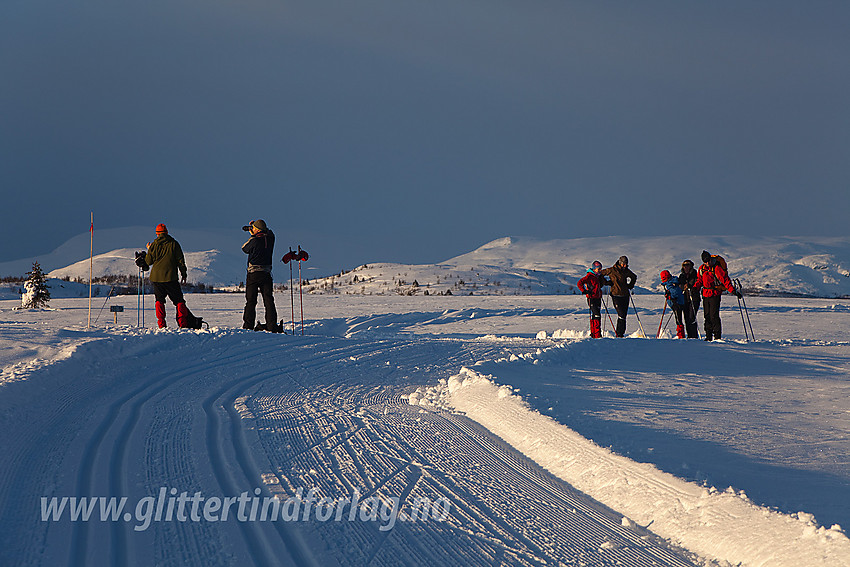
{"x":817,"y":267}
{"x":213,"y":257}
{"x":203,"y":267}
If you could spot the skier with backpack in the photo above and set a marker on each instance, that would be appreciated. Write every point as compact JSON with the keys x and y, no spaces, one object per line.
{"x":260,"y":249}
{"x":687,"y":281}
{"x":165,"y":258}
{"x":675,"y":299}
{"x":591,"y":286}
{"x":622,"y":282}
{"x":712,"y":279}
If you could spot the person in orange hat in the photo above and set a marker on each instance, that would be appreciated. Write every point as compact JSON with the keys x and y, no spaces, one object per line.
{"x":165,"y":257}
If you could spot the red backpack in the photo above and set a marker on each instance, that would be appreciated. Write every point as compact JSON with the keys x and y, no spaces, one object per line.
{"x":719,"y":261}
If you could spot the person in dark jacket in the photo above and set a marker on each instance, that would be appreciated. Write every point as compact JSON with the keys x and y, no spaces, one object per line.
{"x":165,"y":257}
{"x":591,"y":286}
{"x":675,"y":299}
{"x":622,"y":282}
{"x":688,"y":282}
{"x":712,"y":279}
{"x":260,"y":249}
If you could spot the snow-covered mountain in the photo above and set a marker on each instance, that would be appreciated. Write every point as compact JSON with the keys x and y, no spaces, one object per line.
{"x":810,"y":266}
{"x":210,"y":266}
{"x":817,"y":267}
{"x":213,"y":256}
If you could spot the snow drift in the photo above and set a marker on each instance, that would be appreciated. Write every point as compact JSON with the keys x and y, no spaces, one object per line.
{"x":722,"y":526}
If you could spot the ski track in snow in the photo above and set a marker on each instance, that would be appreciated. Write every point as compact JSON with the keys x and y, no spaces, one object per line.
{"x":319,"y":412}
{"x":124,"y":413}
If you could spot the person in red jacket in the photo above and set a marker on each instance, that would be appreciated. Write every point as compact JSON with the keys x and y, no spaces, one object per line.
{"x":712,"y":279}
{"x":591,"y":286}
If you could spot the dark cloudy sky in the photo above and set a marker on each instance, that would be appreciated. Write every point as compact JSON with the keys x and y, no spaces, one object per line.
{"x":413,"y":131}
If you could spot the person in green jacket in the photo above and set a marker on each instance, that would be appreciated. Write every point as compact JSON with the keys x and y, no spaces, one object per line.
{"x":165,"y":257}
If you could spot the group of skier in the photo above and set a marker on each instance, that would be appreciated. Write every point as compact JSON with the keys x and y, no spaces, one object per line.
{"x":683,"y":294}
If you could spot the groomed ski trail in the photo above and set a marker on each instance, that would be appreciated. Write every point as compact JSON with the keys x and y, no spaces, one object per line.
{"x":226,"y":412}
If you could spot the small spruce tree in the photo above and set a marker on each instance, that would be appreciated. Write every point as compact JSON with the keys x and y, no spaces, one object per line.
{"x":36,"y":293}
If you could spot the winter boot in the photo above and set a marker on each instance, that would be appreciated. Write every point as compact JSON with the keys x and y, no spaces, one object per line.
{"x":182,"y":315}
{"x":680,"y":331}
{"x":160,"y":314}
{"x":595,"y":328}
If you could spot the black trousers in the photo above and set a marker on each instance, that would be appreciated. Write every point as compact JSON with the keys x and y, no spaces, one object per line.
{"x":171,"y":290}
{"x":678,"y":311}
{"x":691,"y":309}
{"x":621,"y":304}
{"x":711,"y":312}
{"x":259,"y":283}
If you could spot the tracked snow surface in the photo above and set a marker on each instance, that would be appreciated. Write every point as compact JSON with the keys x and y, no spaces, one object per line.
{"x":424,"y":431}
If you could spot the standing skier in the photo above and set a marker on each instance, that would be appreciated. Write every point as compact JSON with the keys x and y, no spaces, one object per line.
{"x":591,"y":286}
{"x":688,"y":281}
{"x":165,"y":257}
{"x":260,"y":249}
{"x":622,"y":282}
{"x":675,"y":299}
{"x":712,"y":279}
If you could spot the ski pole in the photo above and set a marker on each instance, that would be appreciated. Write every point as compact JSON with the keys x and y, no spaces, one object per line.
{"x":605,"y":303}
{"x":104,"y":305}
{"x":746,"y":311}
{"x":636,"y":315}
{"x":752,"y":334}
{"x":741,"y":309}
{"x":300,"y":291}
{"x":658,"y":334}
{"x":737,"y":285}
{"x":302,"y":257}
{"x":670,"y":316}
{"x":139,"y":298}
{"x":291,"y":296}
{"x":301,"y":297}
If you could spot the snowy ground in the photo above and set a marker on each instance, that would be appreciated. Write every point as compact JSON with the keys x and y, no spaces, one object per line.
{"x":530,"y":449}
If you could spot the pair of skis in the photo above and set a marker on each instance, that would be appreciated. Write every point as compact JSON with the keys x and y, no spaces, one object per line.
{"x":289,"y":258}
